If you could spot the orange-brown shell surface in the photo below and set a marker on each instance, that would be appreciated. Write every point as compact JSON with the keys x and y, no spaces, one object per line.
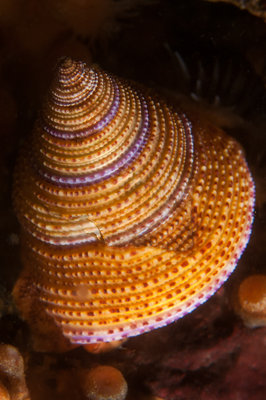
{"x":132,"y":214}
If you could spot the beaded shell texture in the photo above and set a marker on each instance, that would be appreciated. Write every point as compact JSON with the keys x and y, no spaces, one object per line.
{"x":132,"y":215}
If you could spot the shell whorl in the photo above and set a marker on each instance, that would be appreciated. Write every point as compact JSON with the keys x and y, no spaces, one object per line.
{"x":103,"y":175}
{"x":132,"y":214}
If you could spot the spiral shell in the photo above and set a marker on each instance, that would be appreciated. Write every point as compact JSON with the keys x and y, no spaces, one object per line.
{"x":132,"y":215}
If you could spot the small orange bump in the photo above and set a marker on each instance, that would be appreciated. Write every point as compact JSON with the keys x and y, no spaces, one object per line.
{"x":251,"y":301}
{"x":103,"y":383}
{"x":12,"y":385}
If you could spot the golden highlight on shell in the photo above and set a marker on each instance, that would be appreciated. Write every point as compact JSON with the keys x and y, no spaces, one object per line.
{"x":132,"y":214}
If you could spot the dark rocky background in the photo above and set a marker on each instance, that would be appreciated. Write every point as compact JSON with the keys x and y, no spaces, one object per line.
{"x":209,"y":354}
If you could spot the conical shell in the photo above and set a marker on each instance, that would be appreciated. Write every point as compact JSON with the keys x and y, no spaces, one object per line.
{"x":132,"y":214}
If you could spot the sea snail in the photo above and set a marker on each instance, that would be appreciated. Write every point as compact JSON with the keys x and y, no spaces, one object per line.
{"x":132,"y":214}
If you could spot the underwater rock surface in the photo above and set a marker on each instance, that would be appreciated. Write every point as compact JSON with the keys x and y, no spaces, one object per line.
{"x":209,"y":353}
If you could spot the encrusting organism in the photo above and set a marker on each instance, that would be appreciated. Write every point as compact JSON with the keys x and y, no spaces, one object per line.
{"x":103,"y":383}
{"x":12,"y":379}
{"x":250,"y":302}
